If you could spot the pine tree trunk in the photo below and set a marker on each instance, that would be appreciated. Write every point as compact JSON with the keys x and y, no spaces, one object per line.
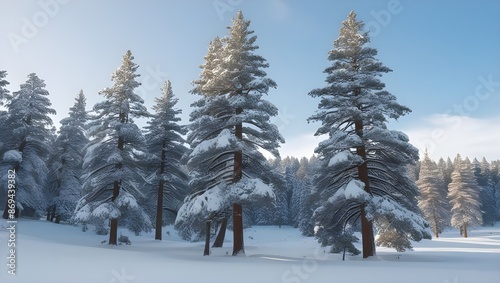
{"x":159,"y":206}
{"x":219,"y":241}
{"x":465,"y":230}
{"x":159,"y":212}
{"x":238,"y":246}
{"x":113,"y":229}
{"x":368,"y":239}
{"x":436,"y":231}
{"x":58,"y":219}
{"x":238,"y":230}
{"x":208,"y":223}
{"x":49,"y":215}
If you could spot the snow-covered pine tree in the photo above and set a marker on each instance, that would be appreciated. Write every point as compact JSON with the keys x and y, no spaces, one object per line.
{"x":166,"y":145}
{"x":64,"y":181}
{"x":432,"y":201}
{"x":463,"y":194}
{"x":4,"y":92}
{"x":486,"y":191}
{"x":5,"y":98}
{"x":230,"y":124}
{"x":363,"y":174}
{"x":113,"y":167}
{"x":27,"y":144}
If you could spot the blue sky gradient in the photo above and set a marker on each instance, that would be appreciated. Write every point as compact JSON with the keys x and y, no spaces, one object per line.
{"x":445,"y":57}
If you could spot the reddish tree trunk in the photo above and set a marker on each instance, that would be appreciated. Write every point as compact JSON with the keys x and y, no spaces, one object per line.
{"x":159,"y":205}
{"x":208,"y":223}
{"x":238,"y":247}
{"x":465,"y":230}
{"x":113,"y":231}
{"x":436,"y":231}
{"x":219,"y":241}
{"x":368,"y":239}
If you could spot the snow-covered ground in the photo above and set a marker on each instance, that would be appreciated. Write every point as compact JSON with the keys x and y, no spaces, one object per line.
{"x":47,"y":252}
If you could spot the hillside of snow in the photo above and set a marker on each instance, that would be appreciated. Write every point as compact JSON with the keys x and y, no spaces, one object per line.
{"x":47,"y":252}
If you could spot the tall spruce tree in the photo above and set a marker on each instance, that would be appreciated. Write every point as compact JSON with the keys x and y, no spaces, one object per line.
{"x":64,"y":181}
{"x":166,"y":145}
{"x":432,"y":201}
{"x":230,"y":124}
{"x":463,"y":194}
{"x":115,"y":157}
{"x":27,"y":131}
{"x":363,"y":172}
{"x":486,"y":192}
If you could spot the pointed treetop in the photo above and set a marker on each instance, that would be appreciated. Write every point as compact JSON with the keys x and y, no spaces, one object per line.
{"x":351,"y":36}
{"x":166,"y":100}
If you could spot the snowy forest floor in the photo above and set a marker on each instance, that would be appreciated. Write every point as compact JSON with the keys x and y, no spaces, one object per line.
{"x":47,"y":252}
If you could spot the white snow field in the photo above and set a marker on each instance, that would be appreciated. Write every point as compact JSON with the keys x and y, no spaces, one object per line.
{"x":48,"y":252}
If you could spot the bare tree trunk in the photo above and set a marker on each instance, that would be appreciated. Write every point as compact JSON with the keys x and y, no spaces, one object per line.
{"x":368,"y":239}
{"x":238,"y":246}
{"x":159,"y":206}
{"x":219,"y":241}
{"x":465,"y":230}
{"x":208,"y":223}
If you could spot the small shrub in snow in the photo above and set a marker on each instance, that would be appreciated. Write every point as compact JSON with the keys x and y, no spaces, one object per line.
{"x":124,"y":240}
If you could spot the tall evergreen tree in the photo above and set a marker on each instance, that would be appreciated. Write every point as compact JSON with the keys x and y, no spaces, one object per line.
{"x":486,"y":192}
{"x":463,"y":193}
{"x":432,"y":201}
{"x":64,"y":181}
{"x":230,"y":124}
{"x":27,"y":144}
{"x":364,"y":163}
{"x":115,"y":157}
{"x":166,"y":145}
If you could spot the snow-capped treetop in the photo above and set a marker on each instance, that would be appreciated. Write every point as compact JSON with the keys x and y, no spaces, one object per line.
{"x":354,"y":89}
{"x":29,"y":112}
{"x":121,"y":100}
{"x":208,"y":83}
{"x":4,"y":92}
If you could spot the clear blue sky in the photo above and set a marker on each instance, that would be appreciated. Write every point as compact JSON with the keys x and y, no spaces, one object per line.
{"x":443,"y":53}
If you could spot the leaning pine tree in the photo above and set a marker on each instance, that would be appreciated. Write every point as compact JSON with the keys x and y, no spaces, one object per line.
{"x":115,"y":157}
{"x":363,"y":172}
{"x":463,"y":193}
{"x":432,"y":201}
{"x":230,"y":125}
{"x":166,"y":145}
